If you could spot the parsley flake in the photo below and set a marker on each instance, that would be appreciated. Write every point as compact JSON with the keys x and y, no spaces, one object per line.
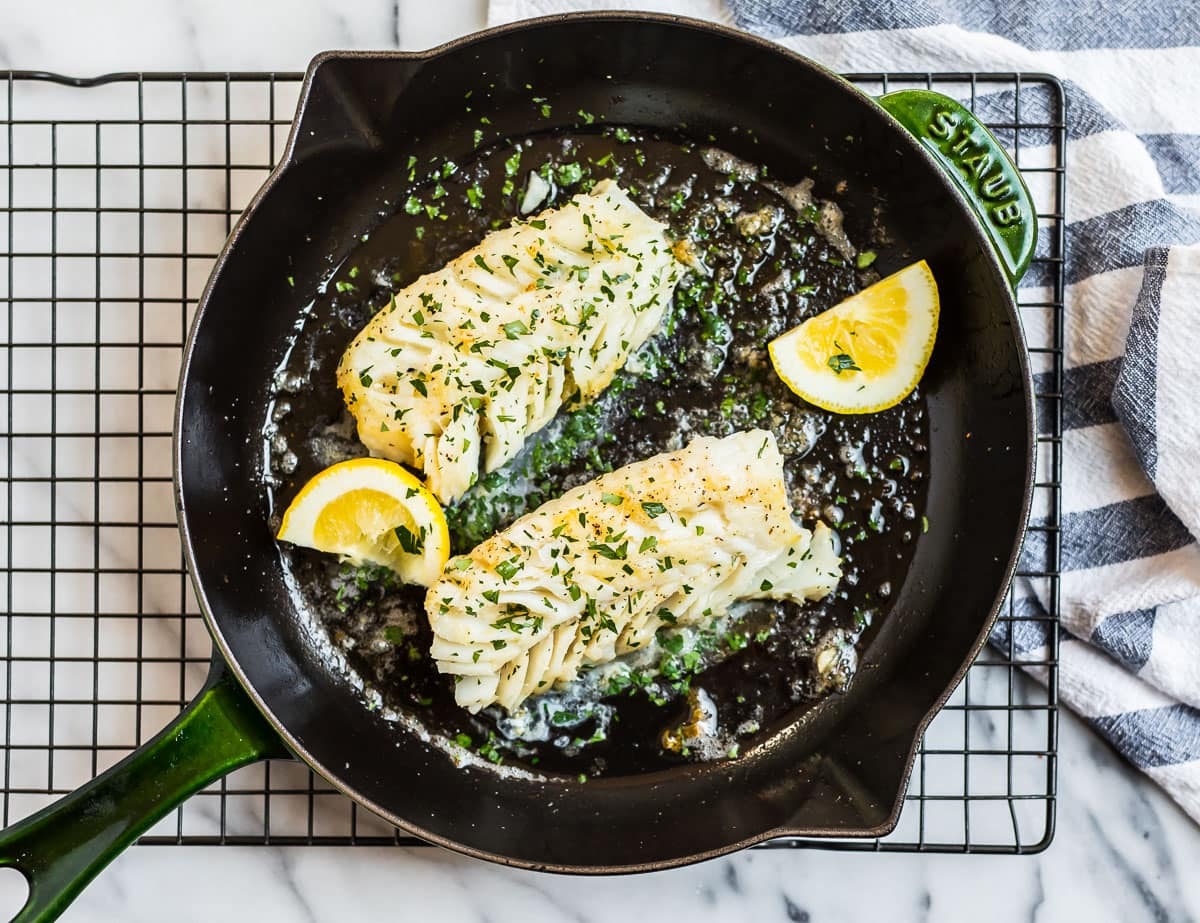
{"x":569,"y":174}
{"x":842,"y":362}
{"x":508,"y":569}
{"x":619,"y":553}
{"x":411,"y":542}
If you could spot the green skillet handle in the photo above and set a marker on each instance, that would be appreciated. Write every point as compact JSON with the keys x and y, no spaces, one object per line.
{"x":972,"y":157}
{"x":63,"y":847}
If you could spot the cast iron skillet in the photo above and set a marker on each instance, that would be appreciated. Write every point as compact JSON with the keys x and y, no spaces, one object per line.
{"x":949,"y":195}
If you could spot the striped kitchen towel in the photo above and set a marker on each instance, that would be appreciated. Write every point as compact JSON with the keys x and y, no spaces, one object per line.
{"x":1130,"y":595}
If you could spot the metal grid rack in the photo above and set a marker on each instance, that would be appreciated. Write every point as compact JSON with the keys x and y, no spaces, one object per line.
{"x":115,"y":197}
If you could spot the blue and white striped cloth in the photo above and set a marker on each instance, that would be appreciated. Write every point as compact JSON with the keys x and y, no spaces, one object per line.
{"x":1130,"y":664}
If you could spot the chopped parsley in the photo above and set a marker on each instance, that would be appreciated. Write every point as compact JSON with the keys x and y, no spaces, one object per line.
{"x":568,"y":174}
{"x":508,"y":569}
{"x":842,"y":362}
{"x":606,"y":550}
{"x":411,"y":542}
{"x":489,"y":751}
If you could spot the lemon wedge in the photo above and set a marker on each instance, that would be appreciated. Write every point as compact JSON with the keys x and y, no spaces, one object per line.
{"x":867,"y":353}
{"x":371,"y":510}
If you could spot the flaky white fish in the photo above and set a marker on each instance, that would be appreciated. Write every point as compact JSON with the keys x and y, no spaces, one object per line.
{"x":671,"y":540}
{"x":465,"y":363}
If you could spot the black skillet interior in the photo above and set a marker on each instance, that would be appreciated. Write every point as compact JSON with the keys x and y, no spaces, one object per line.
{"x":839,"y":768}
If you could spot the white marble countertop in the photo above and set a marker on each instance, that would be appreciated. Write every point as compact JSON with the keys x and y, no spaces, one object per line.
{"x":1122,"y":850}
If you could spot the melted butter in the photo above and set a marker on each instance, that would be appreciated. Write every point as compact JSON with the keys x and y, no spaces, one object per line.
{"x":763,"y":256}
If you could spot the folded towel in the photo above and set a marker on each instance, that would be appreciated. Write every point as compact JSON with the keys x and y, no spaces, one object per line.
{"x":1130,"y":593}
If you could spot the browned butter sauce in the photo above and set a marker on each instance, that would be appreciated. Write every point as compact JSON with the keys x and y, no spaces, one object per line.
{"x":767,"y":256}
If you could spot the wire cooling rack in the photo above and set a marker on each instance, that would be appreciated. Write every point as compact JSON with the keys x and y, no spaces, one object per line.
{"x":115,"y":197}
